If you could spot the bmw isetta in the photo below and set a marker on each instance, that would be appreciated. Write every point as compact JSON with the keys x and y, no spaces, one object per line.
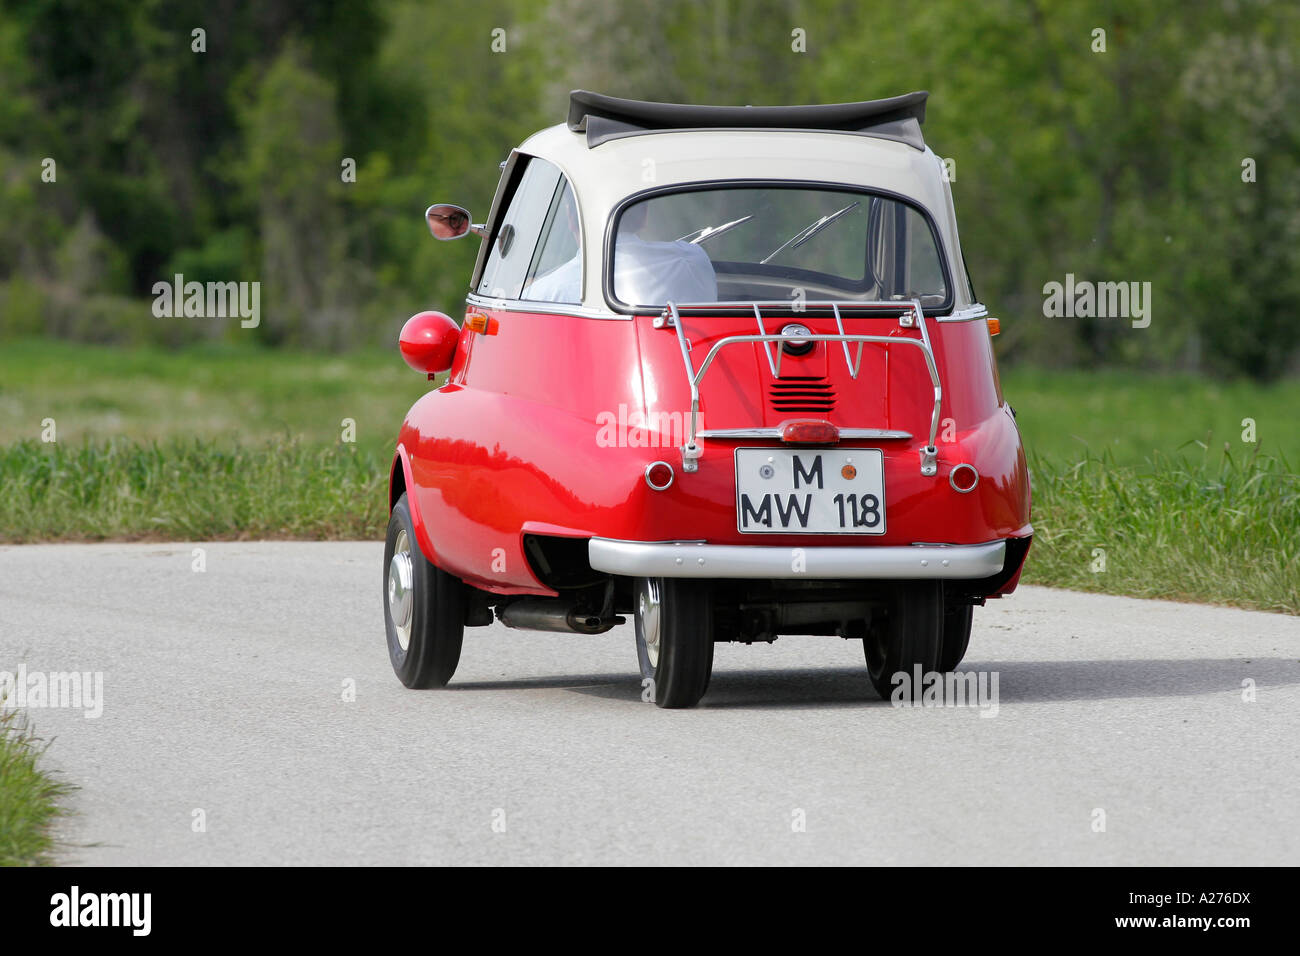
{"x":721,"y":370}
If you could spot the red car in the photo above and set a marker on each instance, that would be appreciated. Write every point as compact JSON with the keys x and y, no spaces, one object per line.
{"x":721,"y":370}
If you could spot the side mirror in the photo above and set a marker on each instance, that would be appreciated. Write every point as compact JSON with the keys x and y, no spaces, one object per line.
{"x":428,"y":342}
{"x":450,"y":222}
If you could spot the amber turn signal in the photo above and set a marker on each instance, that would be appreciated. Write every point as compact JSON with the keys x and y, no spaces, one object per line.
{"x":482,"y":324}
{"x":994,"y":326}
{"x":809,"y":433}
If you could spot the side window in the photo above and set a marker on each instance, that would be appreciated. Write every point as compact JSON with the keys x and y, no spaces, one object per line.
{"x":556,"y":271}
{"x":924,"y":271}
{"x":902,"y":254}
{"x":516,"y":237}
{"x":881,"y":245}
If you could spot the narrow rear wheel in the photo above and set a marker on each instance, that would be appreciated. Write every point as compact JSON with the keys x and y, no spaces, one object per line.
{"x":905,"y":646}
{"x":674,"y":638}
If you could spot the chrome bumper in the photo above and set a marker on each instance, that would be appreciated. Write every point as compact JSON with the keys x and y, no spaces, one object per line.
{"x":673,"y":559}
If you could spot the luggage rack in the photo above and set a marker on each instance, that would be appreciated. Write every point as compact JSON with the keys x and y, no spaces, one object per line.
{"x":910,"y":315}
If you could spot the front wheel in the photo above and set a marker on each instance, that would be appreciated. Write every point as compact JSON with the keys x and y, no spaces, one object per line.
{"x":424,"y":608}
{"x":905,"y":646}
{"x":674,"y":638}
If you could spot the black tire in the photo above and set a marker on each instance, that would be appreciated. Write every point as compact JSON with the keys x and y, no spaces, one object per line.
{"x":910,"y":635}
{"x":956,"y":635}
{"x":436,"y":610}
{"x":682,"y":663}
{"x":648,"y":672}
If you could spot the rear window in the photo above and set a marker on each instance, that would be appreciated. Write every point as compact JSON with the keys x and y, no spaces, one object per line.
{"x":764,"y":243}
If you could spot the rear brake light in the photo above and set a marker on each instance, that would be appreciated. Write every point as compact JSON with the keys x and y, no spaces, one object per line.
{"x":809,"y":433}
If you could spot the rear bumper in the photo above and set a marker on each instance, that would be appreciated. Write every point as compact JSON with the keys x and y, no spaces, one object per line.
{"x":674,"y":559}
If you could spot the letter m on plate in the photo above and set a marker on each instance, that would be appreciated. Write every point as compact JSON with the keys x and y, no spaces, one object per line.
{"x":761,"y":515}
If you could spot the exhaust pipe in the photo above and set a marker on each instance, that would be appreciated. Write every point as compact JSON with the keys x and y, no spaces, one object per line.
{"x":541,"y":614}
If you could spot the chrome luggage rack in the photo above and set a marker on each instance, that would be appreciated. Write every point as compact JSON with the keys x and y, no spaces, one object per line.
{"x":911,"y":315}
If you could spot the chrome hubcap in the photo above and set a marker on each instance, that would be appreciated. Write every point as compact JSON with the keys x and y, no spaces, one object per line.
{"x":400,"y":587}
{"x":647,"y":618}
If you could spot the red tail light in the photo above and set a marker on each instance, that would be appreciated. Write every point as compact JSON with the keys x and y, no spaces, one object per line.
{"x":809,"y":433}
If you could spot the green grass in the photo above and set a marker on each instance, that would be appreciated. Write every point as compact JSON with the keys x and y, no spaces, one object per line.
{"x":224,"y":442}
{"x":28,"y":796}
{"x":228,"y":394}
{"x":1153,"y":474}
{"x":1067,"y":416}
{"x":1213,"y":528}
{"x":190,"y":490}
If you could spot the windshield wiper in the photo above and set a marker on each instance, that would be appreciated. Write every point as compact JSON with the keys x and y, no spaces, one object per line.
{"x":708,"y":232}
{"x":810,"y":230}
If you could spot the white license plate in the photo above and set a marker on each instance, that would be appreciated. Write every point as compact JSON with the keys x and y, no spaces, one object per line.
{"x":783,"y":491}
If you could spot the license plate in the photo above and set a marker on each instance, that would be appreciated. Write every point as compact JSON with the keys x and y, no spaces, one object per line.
{"x":782,"y":491}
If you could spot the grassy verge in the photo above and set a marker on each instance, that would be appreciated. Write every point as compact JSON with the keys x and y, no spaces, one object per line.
{"x":27,"y":796}
{"x":224,"y":393}
{"x":1219,"y":529}
{"x":190,"y":490}
{"x":1066,"y":416}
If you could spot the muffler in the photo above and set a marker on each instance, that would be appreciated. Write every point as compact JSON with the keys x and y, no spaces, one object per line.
{"x":549,"y":614}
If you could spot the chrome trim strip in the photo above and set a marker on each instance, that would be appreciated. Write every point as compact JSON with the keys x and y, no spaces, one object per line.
{"x":664,"y":315}
{"x":968,"y":314}
{"x":676,"y":559}
{"x":875,"y":434}
{"x":852,"y":434}
{"x":545,"y":308}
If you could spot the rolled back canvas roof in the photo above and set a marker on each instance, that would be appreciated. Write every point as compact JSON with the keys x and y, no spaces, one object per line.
{"x":607,"y":117}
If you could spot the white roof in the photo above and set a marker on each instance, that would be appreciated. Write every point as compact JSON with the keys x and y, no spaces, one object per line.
{"x":603,"y":176}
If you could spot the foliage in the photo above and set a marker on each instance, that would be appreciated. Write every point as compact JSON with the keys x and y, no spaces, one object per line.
{"x":1122,"y":164}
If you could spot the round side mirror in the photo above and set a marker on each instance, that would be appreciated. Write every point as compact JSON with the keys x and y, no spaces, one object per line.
{"x":447,"y":221}
{"x":428,"y":342}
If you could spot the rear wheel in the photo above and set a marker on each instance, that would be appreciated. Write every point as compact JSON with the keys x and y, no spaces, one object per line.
{"x":674,"y":638}
{"x":956,"y":635}
{"x":910,"y":637}
{"x":424,"y":608}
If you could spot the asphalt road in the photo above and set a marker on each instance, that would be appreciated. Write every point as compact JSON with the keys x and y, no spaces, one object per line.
{"x":224,"y":692}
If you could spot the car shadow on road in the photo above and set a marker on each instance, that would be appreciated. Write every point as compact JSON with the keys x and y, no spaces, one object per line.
{"x":1035,"y":681}
{"x":614,"y":686}
{"x":1018,"y":682}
